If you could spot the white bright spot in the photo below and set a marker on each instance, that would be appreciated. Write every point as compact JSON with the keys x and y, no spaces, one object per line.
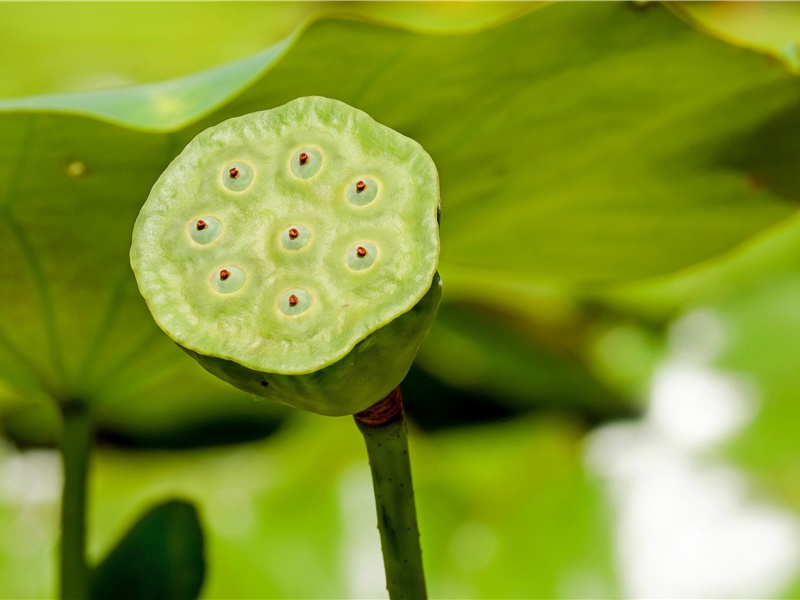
{"x":699,"y":336}
{"x":688,"y":524}
{"x":688,"y":528}
{"x":30,"y":491}
{"x":698,"y":407}
{"x":30,"y":478}
{"x":362,"y":560}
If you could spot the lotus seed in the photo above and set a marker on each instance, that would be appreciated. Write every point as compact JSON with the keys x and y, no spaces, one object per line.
{"x":362,"y":192}
{"x":306,"y":162}
{"x":237,"y":176}
{"x":228,"y":279}
{"x":295,"y":237}
{"x":204,"y":231}
{"x":361,"y":256}
{"x":294,"y":302}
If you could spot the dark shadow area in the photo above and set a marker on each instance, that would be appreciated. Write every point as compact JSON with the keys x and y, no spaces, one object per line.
{"x":769,"y":155}
{"x":433,"y":405}
{"x":219,"y":430}
{"x":39,"y":426}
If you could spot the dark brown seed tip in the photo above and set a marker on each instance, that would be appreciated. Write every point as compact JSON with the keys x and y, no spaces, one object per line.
{"x":293,"y":233}
{"x":303,"y":158}
{"x":201,"y":225}
{"x":224,"y":274}
{"x":293,"y":300}
{"x":234,"y":173}
{"x":361,"y":251}
{"x":361,"y":186}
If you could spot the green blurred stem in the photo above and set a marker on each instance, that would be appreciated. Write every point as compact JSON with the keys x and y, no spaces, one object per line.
{"x":75,"y":447}
{"x":384,"y":430}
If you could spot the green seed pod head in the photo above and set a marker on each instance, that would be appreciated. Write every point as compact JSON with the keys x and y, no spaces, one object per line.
{"x":293,"y":253}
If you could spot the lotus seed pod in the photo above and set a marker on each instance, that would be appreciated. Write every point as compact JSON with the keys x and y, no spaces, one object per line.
{"x":292,"y":252}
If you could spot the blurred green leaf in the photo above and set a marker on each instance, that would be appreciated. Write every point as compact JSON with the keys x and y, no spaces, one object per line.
{"x":294,"y":517}
{"x":74,"y":46}
{"x":770,"y":28}
{"x":600,"y":143}
{"x":160,"y":557}
{"x":492,"y":354}
{"x":773,"y":254}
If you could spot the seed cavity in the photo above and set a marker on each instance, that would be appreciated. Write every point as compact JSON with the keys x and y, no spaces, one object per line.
{"x":362,"y":192}
{"x":228,"y":279}
{"x":237,"y":176}
{"x":204,"y":231}
{"x":361,"y":256}
{"x":295,"y":302}
{"x":295,"y":237}
{"x":306,"y":162}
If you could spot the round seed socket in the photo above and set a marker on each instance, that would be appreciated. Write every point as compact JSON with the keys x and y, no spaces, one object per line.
{"x":295,"y":301}
{"x":306,"y":162}
{"x":295,"y":237}
{"x":362,"y":191}
{"x":237,"y":176}
{"x":205,"y":230}
{"x":361,"y":256}
{"x":228,"y":279}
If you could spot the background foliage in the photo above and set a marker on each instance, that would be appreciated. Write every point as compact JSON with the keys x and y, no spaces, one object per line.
{"x":606,"y":170}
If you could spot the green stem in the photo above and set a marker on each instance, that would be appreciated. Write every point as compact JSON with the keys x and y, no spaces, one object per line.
{"x":384,"y":430}
{"x":75,"y":447}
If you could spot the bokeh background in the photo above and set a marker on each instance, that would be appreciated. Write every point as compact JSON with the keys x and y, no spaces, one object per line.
{"x":609,"y":402}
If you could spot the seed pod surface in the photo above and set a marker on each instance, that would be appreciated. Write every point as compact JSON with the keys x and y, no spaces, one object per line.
{"x":309,"y":277}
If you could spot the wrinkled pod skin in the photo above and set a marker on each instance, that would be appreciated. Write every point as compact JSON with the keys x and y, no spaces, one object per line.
{"x":293,"y":254}
{"x":372,"y":369}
